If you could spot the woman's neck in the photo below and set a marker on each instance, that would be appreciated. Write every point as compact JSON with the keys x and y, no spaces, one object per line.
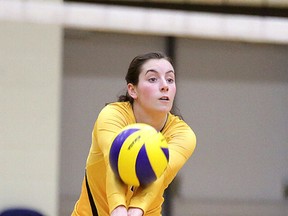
{"x":155,"y":119}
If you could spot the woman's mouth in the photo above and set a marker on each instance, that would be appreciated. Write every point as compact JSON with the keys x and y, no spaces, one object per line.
{"x":164,"y":98}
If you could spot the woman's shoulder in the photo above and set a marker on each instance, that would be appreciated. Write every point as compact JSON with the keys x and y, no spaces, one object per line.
{"x":175,"y":120}
{"x":176,"y":124}
{"x":178,"y":129}
{"x":116,"y":110}
{"x":117,"y":106}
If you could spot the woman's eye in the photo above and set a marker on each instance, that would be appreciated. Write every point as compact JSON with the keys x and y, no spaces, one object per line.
{"x":170,"y":80}
{"x":152,"y":79}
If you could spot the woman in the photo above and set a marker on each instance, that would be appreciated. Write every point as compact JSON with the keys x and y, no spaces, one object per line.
{"x":149,"y":99}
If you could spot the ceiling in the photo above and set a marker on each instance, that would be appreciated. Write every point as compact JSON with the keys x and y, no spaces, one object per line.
{"x":273,"y":8}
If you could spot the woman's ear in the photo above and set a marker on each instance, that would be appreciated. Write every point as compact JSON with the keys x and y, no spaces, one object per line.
{"x":132,"y":90}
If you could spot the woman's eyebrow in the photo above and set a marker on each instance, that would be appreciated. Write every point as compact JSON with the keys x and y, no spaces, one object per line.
{"x":151,"y":70}
{"x":155,"y":71}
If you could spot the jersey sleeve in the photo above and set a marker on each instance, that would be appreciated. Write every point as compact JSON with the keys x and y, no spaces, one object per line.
{"x":110,"y":121}
{"x":182,"y":142}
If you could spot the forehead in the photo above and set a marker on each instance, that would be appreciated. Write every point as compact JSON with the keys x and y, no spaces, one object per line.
{"x":157,"y":65}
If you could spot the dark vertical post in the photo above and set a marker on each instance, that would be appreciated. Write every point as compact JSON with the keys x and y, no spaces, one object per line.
{"x":170,"y":51}
{"x":170,"y":47}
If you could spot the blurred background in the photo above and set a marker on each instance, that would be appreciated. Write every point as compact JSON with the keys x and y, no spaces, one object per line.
{"x":60,"y":62}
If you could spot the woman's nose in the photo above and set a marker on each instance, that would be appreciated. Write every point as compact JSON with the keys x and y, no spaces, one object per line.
{"x":164,"y":86}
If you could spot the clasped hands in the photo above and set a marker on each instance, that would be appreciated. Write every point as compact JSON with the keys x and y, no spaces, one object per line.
{"x":122,"y":211}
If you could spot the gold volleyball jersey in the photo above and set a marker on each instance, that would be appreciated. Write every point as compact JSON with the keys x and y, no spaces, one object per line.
{"x":100,"y":184}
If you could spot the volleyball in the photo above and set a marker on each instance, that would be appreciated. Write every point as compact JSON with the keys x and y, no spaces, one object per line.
{"x":139,"y":154}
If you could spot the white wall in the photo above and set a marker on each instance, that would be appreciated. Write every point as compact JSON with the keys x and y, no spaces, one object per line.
{"x":30,"y":67}
{"x":234,"y":95}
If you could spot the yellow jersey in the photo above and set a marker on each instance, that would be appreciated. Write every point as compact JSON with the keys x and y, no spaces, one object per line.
{"x":100,"y":184}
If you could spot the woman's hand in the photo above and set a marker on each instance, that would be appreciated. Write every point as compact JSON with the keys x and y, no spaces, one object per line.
{"x":119,"y":211}
{"x":135,"y":212}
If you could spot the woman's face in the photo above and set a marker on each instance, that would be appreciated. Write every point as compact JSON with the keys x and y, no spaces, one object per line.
{"x":156,"y":88}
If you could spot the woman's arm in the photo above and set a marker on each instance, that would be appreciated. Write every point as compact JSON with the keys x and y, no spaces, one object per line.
{"x":108,"y":124}
{"x":181,"y":142}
